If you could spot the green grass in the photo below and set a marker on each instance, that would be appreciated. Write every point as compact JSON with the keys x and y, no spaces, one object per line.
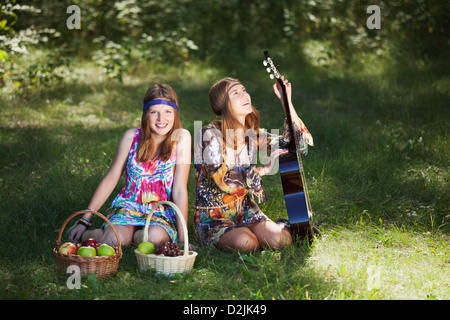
{"x":378,"y":178}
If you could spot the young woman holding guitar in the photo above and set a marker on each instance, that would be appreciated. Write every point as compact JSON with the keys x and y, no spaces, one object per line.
{"x":227,"y":178}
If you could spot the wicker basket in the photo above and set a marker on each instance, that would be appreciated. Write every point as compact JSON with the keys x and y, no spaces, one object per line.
{"x":101,"y":266}
{"x":163,"y":264}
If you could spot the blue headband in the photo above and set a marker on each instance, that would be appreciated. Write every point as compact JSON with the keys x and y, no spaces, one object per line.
{"x":160,"y":101}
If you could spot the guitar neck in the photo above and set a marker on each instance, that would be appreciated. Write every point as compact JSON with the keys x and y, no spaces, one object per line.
{"x":292,"y":146}
{"x":287,"y":111}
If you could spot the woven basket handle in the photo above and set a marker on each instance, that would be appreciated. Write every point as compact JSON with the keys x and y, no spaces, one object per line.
{"x":180,"y":216}
{"x":58,"y":242}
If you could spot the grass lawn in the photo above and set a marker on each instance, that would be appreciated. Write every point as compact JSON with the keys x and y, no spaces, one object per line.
{"x":378,"y":179}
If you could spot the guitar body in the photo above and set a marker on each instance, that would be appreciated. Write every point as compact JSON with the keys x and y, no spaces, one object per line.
{"x":292,"y":175}
{"x":295,"y":195}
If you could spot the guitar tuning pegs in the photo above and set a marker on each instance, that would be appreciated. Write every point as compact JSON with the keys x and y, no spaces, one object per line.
{"x":272,"y":76}
{"x":265,"y":63}
{"x":268,"y":69}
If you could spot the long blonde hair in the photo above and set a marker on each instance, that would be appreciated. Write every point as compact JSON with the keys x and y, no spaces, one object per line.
{"x":144,"y":149}
{"x":221,"y":106}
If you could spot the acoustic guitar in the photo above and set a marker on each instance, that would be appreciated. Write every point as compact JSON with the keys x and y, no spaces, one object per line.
{"x":291,"y":171}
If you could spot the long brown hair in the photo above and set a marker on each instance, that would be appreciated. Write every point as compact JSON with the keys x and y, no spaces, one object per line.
{"x":145,"y":146}
{"x":221,"y":106}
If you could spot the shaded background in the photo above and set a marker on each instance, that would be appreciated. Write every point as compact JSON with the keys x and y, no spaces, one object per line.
{"x":118,"y":33}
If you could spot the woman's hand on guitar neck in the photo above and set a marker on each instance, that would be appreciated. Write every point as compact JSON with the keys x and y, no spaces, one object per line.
{"x":279,"y":90}
{"x":279,"y":93}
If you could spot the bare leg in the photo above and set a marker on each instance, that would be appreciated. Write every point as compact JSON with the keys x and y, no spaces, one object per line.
{"x":156,"y":235}
{"x":97,"y":234}
{"x":239,"y":239}
{"x":108,"y":236}
{"x":271,"y":235}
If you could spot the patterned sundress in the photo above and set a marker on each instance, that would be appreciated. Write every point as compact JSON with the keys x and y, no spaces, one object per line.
{"x":146,"y":184}
{"x":225,"y":188}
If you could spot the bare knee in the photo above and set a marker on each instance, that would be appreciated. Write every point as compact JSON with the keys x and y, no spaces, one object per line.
{"x":272,"y":235}
{"x":156,"y":235}
{"x":125,"y":234}
{"x":247,"y":245}
{"x":239,"y":240}
{"x":97,"y":234}
{"x":278,"y":240}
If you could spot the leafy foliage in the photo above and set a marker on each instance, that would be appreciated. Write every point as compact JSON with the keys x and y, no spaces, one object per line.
{"x":117,"y":34}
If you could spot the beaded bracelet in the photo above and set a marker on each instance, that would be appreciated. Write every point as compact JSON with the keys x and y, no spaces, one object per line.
{"x":85,"y":221}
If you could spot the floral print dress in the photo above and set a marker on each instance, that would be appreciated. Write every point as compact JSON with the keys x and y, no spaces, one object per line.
{"x":226,"y":187}
{"x":146,"y":184}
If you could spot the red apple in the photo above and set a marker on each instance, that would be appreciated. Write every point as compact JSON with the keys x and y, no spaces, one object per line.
{"x":91,"y":242}
{"x":68,"y":248}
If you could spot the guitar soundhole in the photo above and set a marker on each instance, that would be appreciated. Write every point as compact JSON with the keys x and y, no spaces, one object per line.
{"x":292,"y":182}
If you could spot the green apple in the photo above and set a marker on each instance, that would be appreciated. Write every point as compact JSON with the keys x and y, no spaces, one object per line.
{"x":86,"y":252}
{"x":146,"y":247}
{"x":105,"y":250}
